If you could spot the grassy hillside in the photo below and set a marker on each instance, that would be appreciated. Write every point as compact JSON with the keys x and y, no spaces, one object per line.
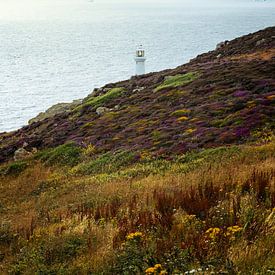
{"x":124,"y":213}
{"x":176,"y":176}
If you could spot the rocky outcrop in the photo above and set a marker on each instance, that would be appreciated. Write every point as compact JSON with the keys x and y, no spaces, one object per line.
{"x":21,"y":154}
{"x":102,"y":110}
{"x":55,"y":110}
{"x":260,"y":42}
{"x":222,"y":44}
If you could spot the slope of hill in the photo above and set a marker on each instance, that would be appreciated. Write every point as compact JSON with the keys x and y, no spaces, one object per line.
{"x":166,"y":173}
{"x":219,"y":98}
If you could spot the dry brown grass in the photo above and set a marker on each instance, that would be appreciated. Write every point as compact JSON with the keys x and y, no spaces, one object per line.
{"x":259,"y":55}
{"x":182,"y":205}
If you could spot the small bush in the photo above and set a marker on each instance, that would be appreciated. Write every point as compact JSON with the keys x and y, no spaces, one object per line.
{"x":49,"y":256}
{"x":107,"y":163}
{"x":133,"y":257}
{"x":13,"y":169}
{"x":67,"y":154}
{"x":177,"y":80}
{"x":6,"y":235}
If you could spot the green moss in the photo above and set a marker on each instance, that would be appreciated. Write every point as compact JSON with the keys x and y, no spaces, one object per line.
{"x":106,"y":98}
{"x":68,"y":154}
{"x":177,"y":80}
{"x":13,"y":169}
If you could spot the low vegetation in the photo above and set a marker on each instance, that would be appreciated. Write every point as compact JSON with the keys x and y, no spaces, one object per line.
{"x":177,"y":80}
{"x":105,"y":98}
{"x":129,"y":213}
{"x":66,"y":154}
{"x":175,"y":175}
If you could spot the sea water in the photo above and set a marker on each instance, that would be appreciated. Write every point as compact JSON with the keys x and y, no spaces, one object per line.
{"x":55,"y":51}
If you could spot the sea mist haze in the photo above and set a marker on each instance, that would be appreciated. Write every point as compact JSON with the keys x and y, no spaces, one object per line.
{"x":58,"y":51}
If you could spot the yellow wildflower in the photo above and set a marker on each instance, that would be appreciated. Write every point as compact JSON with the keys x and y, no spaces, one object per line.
{"x":134,"y":236}
{"x":183,"y":118}
{"x":189,"y":131}
{"x":144,"y":155}
{"x":251,"y":104}
{"x":90,"y":150}
{"x":150,"y":270}
{"x":157,"y":266}
{"x":233,"y":230}
{"x":213,"y":232}
{"x":157,"y":269}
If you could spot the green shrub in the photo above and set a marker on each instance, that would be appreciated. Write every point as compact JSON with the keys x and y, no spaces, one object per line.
{"x":133,"y":258}
{"x":106,"y":163}
{"x":13,"y":169}
{"x":105,"y":98}
{"x":68,"y":154}
{"x":177,"y":260}
{"x":49,"y":255}
{"x":211,"y":155}
{"x":177,"y":80}
{"x":6,"y":235}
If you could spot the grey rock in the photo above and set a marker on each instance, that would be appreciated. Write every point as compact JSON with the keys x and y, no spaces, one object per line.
{"x":21,"y":154}
{"x":260,"y":42}
{"x":25,"y":144}
{"x":102,"y":110}
{"x":138,"y":89}
{"x":56,"y":109}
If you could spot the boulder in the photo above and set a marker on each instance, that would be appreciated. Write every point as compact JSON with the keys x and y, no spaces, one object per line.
{"x":21,"y":154}
{"x":102,"y":110}
{"x":138,"y":89}
{"x":260,"y":42}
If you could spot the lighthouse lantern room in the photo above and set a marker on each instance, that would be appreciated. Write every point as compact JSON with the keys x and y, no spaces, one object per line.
{"x":140,"y":61}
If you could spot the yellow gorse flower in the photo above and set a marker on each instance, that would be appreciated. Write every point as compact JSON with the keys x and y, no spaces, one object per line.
{"x":150,"y":270}
{"x":134,"y":236}
{"x":157,"y":266}
{"x":213,"y":232}
{"x":232,"y":230}
{"x":157,"y":269}
{"x":189,"y":131}
{"x":183,"y":118}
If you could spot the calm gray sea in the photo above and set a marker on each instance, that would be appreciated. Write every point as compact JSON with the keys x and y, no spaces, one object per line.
{"x":58,"y":51}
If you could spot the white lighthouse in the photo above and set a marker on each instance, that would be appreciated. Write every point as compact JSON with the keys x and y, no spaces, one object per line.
{"x":140,"y":61}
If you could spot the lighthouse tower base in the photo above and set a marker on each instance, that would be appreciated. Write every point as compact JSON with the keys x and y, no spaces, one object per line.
{"x":140,"y":65}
